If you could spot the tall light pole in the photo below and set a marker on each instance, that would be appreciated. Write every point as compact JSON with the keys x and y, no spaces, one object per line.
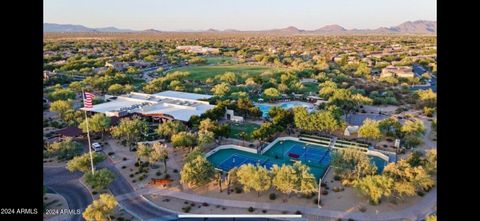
{"x":305,"y":154}
{"x":319,"y":191}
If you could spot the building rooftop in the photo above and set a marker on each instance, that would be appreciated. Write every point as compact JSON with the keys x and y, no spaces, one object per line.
{"x":179,"y":105}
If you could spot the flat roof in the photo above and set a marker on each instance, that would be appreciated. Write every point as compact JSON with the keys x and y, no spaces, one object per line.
{"x":179,"y":105}
{"x":183,"y":95}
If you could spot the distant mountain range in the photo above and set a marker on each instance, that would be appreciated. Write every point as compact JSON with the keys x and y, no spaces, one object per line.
{"x":409,"y":27}
{"x":50,"y":27}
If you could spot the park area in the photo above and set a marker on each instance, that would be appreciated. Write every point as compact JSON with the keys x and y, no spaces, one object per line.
{"x":237,"y":128}
{"x":210,"y":71}
{"x":213,"y":60}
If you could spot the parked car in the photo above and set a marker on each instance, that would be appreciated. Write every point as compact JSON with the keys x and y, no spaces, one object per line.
{"x":97,"y":147}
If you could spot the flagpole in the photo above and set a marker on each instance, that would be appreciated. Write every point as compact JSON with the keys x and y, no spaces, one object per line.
{"x":88,"y":135}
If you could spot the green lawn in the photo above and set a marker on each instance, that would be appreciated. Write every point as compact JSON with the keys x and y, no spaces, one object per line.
{"x":218,"y":59}
{"x":205,"y":71}
{"x":236,"y":128}
{"x":311,"y":87}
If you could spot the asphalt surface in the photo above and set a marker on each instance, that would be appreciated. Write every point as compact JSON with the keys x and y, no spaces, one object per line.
{"x":65,"y":183}
{"x":137,"y":204}
{"x":61,"y":181}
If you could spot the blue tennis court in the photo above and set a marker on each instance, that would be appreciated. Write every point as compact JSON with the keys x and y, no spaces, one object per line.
{"x":268,"y":164}
{"x":306,"y":153}
{"x":237,"y":160}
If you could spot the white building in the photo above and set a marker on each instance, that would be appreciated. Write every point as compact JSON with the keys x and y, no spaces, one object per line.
{"x":230,"y":115}
{"x":164,"y":106}
{"x":198,"y":49}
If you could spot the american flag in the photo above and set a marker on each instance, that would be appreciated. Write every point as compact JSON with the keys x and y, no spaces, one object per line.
{"x":88,"y":100}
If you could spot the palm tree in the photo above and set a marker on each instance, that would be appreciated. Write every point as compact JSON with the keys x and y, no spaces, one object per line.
{"x":231,"y":178}
{"x":218,"y":177}
{"x":162,"y":153}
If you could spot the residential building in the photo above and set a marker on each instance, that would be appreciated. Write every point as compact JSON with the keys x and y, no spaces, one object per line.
{"x":397,"y":71}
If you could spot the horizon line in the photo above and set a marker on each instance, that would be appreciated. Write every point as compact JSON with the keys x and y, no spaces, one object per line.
{"x":212,"y":28}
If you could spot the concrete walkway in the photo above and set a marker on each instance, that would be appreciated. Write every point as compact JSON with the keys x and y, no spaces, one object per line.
{"x":424,"y":207}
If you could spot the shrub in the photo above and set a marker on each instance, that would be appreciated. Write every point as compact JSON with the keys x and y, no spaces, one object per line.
{"x":186,"y":209}
{"x":251,"y":209}
{"x":336,"y":189}
{"x":272,"y":196}
{"x":238,"y":190}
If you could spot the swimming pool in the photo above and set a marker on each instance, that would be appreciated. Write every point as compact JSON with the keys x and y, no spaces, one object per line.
{"x":316,"y":157}
{"x":264,"y":108}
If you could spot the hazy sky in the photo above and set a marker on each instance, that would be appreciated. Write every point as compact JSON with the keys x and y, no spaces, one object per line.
{"x":236,"y":14}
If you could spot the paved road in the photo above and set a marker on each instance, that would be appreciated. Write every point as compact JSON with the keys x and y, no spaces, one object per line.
{"x":419,"y":70}
{"x":134,"y":204}
{"x":63,"y":182}
{"x":424,"y":206}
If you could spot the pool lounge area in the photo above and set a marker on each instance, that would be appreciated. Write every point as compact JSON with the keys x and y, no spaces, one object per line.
{"x":284,"y":150}
{"x":265,"y":107}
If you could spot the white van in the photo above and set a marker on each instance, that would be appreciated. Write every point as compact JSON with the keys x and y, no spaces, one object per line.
{"x":97,"y":147}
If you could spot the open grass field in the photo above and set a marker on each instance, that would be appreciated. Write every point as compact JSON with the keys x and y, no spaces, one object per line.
{"x":236,"y":128}
{"x":214,"y":60}
{"x":206,"y":71}
{"x":311,"y":87}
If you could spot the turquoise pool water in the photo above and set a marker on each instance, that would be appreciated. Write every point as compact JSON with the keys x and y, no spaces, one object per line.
{"x":264,"y":108}
{"x":316,"y":157}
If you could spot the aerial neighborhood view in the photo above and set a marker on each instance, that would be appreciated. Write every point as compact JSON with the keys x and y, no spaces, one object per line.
{"x":314,"y":123}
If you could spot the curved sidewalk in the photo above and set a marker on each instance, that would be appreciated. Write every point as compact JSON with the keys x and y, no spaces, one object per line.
{"x":417,"y":212}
